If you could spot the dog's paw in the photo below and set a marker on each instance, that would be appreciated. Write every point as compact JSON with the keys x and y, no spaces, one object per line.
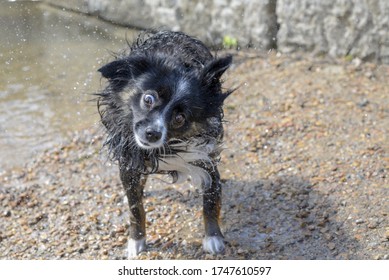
{"x":135,"y":247}
{"x":213,"y":244}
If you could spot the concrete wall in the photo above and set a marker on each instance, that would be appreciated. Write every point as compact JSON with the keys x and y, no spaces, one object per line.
{"x":338,"y":27}
{"x":251,"y":22}
{"x":357,"y":28}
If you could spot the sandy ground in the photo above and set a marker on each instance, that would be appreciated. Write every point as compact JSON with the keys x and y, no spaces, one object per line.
{"x":305,"y":176}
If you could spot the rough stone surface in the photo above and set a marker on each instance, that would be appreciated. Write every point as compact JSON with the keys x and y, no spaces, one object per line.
{"x":340,"y":28}
{"x":356,"y":28}
{"x":208,"y":20}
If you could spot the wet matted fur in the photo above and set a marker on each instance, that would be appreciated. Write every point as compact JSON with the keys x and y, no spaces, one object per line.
{"x":162,"y":110}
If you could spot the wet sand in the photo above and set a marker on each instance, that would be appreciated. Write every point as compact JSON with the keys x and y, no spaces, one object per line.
{"x":305,"y":176}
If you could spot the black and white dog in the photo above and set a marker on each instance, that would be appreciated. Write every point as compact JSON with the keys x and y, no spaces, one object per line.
{"x":162,"y":109}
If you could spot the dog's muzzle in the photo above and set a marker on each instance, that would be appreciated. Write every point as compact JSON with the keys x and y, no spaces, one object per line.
{"x":150,"y":136}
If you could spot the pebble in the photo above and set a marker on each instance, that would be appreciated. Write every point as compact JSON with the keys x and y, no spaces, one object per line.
{"x":373,"y":224}
{"x":331,"y":246}
{"x":241,"y":251}
{"x":7,"y":214}
{"x":359,"y":221}
{"x":387,"y":234}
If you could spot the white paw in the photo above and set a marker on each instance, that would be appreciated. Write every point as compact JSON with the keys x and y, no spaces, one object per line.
{"x":135,"y":247}
{"x":213,"y":244}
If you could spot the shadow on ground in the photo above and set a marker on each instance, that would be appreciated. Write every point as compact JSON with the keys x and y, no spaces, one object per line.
{"x":285,"y":218}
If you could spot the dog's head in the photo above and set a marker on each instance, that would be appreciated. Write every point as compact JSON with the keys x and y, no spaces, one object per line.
{"x":163,"y":98}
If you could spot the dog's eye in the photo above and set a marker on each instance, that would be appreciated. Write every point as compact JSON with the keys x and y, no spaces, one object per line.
{"x":149,"y":100}
{"x":179,"y":120}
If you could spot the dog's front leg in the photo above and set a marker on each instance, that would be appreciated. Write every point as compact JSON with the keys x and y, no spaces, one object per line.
{"x":133,"y":183}
{"x":213,"y":241}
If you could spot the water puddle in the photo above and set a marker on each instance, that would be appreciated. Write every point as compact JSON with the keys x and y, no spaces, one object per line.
{"x":48,"y":61}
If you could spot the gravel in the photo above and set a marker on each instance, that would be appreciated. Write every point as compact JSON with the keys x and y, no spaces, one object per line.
{"x":304,"y":170}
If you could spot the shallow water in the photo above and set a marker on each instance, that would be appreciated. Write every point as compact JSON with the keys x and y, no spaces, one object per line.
{"x":49,"y":60}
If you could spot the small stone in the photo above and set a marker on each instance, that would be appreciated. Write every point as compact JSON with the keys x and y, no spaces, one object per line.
{"x":343,"y":256}
{"x":154,"y":240}
{"x":7,"y":213}
{"x":120,"y":229}
{"x":363,"y":103}
{"x":241,"y":251}
{"x":122,"y":240}
{"x":373,"y":224}
{"x":387,"y":234}
{"x":84,"y":230}
{"x":369,"y":74}
{"x":328,"y":236}
{"x":331,"y":246}
{"x":359,"y":221}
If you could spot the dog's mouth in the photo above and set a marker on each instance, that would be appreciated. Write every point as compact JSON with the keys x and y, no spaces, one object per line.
{"x":146,"y":145}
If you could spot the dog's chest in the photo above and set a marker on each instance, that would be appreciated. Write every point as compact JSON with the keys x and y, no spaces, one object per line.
{"x":187,"y":158}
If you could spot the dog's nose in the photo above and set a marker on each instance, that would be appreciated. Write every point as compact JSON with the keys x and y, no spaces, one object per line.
{"x":153,"y":135}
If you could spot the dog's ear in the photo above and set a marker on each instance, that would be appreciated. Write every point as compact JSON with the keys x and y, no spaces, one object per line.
{"x":115,"y":69}
{"x":211,"y":84}
{"x":213,"y":71}
{"x":120,"y":72}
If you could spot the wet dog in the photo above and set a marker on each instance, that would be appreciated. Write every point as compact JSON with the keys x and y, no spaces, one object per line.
{"x":162,"y":110}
